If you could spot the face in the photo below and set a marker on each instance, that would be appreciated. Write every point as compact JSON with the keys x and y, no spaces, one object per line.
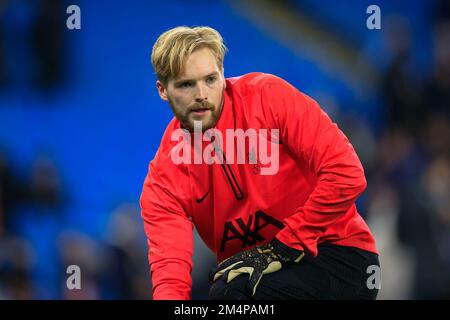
{"x":197,"y":93}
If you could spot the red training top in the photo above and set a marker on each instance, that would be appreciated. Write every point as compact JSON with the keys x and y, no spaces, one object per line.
{"x":309,"y":200}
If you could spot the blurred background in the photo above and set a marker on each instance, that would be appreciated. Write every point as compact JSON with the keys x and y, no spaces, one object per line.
{"x":80,"y":118}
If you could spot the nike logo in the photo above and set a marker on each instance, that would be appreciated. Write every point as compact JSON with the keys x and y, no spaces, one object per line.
{"x":203,"y":198}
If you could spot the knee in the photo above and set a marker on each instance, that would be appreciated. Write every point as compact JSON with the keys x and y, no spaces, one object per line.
{"x":235,"y":290}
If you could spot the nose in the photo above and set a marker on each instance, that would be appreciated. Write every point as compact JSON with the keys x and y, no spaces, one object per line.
{"x":201,"y":93}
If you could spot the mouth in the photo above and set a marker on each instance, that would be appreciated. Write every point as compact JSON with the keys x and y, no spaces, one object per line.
{"x":200,"y":111}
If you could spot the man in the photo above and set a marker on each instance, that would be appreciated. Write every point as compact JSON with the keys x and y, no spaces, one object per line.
{"x":283,"y":226}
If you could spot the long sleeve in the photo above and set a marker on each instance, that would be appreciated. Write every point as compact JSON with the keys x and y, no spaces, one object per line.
{"x":314,"y":139}
{"x":170,"y":238}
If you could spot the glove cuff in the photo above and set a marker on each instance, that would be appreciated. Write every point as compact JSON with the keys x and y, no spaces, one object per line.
{"x":285,"y":252}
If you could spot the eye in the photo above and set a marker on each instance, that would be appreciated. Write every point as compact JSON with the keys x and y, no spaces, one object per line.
{"x":211,"y":79}
{"x":186,"y":84}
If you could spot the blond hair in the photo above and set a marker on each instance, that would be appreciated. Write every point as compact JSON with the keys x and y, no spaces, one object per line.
{"x":172,"y":49}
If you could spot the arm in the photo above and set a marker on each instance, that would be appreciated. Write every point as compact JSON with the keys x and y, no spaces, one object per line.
{"x":170,"y":239}
{"x":314,"y":139}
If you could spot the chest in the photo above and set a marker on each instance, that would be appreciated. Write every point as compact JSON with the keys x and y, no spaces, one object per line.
{"x":237,"y":204}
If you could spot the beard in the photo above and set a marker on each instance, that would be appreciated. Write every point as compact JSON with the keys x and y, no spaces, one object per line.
{"x":209,"y":114}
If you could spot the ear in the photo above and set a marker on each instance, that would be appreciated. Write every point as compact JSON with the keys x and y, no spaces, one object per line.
{"x":224,"y":80}
{"x":161,"y":90}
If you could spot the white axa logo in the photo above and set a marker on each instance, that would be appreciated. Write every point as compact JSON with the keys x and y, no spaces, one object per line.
{"x":213,"y":153}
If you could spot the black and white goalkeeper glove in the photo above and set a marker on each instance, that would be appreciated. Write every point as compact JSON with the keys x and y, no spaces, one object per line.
{"x":256,"y":262}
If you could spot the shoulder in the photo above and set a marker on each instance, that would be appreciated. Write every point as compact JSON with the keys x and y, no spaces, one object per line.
{"x":162,"y":167}
{"x":166,"y":182}
{"x":166,"y":144}
{"x":254,"y":80}
{"x":268,"y":90}
{"x":263,"y":84}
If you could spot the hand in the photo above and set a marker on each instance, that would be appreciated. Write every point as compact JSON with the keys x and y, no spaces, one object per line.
{"x":256,"y":262}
